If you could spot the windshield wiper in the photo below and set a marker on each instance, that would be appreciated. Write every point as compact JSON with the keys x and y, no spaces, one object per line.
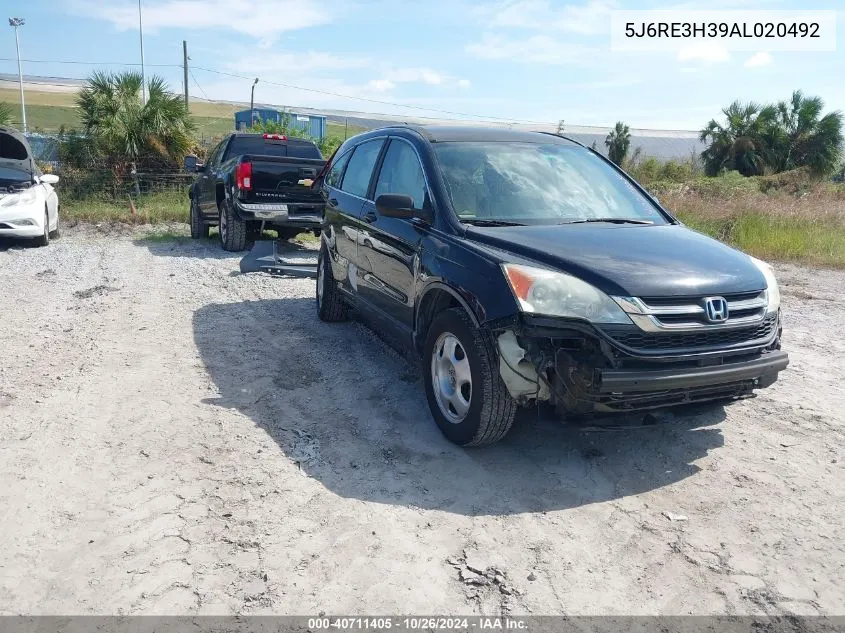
{"x":611,"y":221}
{"x":483,"y":222}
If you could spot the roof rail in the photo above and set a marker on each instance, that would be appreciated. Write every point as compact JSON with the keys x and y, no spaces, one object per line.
{"x":567,"y":138}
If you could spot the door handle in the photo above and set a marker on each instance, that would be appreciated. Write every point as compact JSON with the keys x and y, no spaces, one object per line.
{"x":370,"y":217}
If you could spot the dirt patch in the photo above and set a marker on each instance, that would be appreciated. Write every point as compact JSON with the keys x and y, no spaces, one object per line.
{"x":199,"y":443}
{"x":96,"y":291}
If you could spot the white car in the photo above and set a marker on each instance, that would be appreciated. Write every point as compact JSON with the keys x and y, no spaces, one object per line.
{"x":29,"y":206}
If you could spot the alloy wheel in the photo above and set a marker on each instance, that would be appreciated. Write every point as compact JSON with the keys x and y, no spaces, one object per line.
{"x":451,"y":377}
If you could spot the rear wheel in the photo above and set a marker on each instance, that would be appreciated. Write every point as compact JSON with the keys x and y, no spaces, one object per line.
{"x":199,"y":229}
{"x":465,"y":392}
{"x":330,"y":305}
{"x":232,"y":229}
{"x":44,"y":238}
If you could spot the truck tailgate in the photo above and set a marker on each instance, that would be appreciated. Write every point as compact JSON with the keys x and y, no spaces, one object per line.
{"x":276,"y":180}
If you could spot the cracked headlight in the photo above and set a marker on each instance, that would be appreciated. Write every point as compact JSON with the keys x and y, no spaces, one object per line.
{"x":541,"y":291}
{"x":772,"y":289}
{"x":24,"y":197}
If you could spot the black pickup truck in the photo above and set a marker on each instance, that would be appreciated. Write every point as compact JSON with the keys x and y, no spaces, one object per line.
{"x":256,"y":181}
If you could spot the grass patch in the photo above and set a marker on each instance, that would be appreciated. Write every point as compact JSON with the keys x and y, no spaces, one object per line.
{"x":806,"y":229}
{"x":158,"y":237}
{"x":818,"y":243}
{"x":154,"y":208}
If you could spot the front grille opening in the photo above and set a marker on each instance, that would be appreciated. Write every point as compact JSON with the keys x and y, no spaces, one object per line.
{"x":715,"y":338}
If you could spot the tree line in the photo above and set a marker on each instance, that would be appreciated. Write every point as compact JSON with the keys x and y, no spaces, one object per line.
{"x":118,"y":128}
{"x":756,"y":139}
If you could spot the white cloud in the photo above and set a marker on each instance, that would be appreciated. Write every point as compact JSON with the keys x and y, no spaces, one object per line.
{"x":415,"y":75}
{"x":758,"y":59}
{"x":393,"y":76}
{"x":704,"y":51}
{"x":537,"y":49}
{"x":591,"y":18}
{"x":381,"y":85}
{"x":258,"y":18}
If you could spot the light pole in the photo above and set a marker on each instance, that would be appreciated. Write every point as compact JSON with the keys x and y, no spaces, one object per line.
{"x":143,"y":76}
{"x":252,"y":102}
{"x":15,"y":23}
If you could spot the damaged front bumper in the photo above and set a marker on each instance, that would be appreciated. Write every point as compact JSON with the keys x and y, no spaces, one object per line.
{"x":583,"y":370}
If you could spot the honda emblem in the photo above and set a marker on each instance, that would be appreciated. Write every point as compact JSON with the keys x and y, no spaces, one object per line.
{"x":716,"y":309}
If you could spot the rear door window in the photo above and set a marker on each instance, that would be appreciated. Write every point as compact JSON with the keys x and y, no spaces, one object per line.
{"x":336,"y":172}
{"x":359,"y":171}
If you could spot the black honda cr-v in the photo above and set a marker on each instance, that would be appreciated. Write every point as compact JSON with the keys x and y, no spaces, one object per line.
{"x":525,"y":267}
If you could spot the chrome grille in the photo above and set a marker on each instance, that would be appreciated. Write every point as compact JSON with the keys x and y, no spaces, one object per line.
{"x":703,"y":338}
{"x":683,"y":314}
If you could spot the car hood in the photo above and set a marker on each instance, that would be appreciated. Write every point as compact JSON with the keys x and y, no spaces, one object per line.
{"x":629,"y":260}
{"x":15,"y":152}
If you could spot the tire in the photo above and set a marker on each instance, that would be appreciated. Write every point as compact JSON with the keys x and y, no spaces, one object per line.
{"x":199,"y":229}
{"x":44,"y":238}
{"x":491,"y":409}
{"x":232,"y":229}
{"x":56,"y":232}
{"x":330,"y":305}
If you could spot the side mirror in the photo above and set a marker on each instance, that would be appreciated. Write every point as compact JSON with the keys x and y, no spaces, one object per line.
{"x":49,"y":179}
{"x":192,"y":164}
{"x":397,"y":205}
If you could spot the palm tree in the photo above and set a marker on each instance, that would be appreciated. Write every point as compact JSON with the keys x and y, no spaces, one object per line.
{"x":618,"y":142}
{"x":5,"y":114}
{"x":126,"y":130}
{"x":801,"y":136}
{"x":738,"y":143}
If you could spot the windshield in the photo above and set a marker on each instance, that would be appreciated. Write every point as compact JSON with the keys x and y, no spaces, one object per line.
{"x":13,"y":178}
{"x":531,"y":183}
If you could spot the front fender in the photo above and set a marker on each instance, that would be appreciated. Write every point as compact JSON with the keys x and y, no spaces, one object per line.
{"x":476,"y":281}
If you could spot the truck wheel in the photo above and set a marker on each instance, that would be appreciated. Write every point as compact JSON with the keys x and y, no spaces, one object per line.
{"x":232,"y":229}
{"x":330,"y":305}
{"x":199,"y":229}
{"x":466,"y":395}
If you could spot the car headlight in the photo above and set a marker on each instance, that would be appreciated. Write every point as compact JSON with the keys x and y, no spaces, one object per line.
{"x":541,"y":291}
{"x":24,"y":197}
{"x":772,"y":289}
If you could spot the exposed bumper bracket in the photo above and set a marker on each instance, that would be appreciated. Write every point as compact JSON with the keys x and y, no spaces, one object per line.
{"x":765,"y":368}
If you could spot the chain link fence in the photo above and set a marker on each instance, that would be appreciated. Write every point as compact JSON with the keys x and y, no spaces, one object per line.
{"x":106,"y":184}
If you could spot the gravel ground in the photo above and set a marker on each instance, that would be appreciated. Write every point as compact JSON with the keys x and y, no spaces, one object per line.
{"x":176,"y":437}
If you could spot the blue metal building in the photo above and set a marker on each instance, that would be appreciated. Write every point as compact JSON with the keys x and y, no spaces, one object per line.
{"x":313,"y":125}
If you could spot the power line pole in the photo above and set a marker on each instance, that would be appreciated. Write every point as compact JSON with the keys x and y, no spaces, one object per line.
{"x":15,"y":23}
{"x":143,"y":76}
{"x":185,"y":65}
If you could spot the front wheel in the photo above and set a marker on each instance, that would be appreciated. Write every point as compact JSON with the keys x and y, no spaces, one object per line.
{"x":44,"y":238}
{"x":232,"y":228}
{"x":56,"y":232}
{"x":465,"y":392}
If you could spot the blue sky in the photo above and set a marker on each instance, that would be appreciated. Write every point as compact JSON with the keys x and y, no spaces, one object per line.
{"x":534,"y":60}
